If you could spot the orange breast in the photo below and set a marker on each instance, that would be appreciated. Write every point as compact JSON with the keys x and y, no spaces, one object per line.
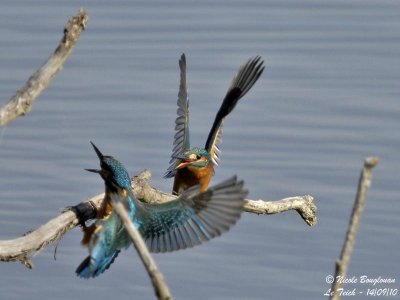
{"x":103,"y":212}
{"x":190,"y":176}
{"x":87,"y":234}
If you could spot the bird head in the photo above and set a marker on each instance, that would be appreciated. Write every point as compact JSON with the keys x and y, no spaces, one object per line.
{"x":111,"y":170}
{"x":196,"y":157}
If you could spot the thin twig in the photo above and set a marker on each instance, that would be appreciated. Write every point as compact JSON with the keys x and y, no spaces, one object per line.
{"x":342,"y":263}
{"x":21,"y":102}
{"x":160,"y":287}
{"x":25,"y":246}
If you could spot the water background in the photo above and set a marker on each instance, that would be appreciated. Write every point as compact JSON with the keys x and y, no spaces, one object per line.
{"x":329,"y":97}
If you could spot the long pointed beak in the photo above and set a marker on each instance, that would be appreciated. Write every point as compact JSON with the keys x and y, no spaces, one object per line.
{"x":94,"y":171}
{"x":183,"y":164}
{"x":184,"y":161}
{"x":99,"y":154}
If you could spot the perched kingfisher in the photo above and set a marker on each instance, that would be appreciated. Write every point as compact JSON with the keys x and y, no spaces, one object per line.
{"x":187,"y":221}
{"x":192,"y":166}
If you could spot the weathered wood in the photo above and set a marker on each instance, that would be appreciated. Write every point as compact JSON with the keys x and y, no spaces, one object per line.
{"x":160,"y":286}
{"x":21,"y":102}
{"x":304,"y":205}
{"x":361,"y":197}
{"x":21,"y":248}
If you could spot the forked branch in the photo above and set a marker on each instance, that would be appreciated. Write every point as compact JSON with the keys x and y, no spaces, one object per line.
{"x":23,"y":247}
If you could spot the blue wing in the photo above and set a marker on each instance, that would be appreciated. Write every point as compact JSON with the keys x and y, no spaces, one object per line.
{"x":181,"y":138}
{"x":193,"y":217}
{"x":107,"y":240}
{"x":102,"y":247}
{"x":88,"y":268}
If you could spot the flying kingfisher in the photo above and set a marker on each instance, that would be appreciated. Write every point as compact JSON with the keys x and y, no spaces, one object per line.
{"x":187,"y":221}
{"x":192,"y":166}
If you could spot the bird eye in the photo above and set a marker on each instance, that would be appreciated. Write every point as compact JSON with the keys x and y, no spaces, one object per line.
{"x":198,"y":156}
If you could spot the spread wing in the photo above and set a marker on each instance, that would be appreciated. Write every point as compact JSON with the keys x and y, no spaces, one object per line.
{"x":240,"y":85}
{"x":193,"y":217}
{"x":181,"y":138}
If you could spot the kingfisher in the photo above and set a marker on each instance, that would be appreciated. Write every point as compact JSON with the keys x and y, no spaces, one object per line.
{"x":187,"y":221}
{"x":195,"y":166}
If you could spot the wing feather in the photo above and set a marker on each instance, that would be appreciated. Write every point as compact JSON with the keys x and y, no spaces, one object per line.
{"x":247,"y":75}
{"x":192,"y":218}
{"x":181,"y":139}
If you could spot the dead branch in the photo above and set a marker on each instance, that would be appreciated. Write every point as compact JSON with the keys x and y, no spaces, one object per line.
{"x":160,"y":286}
{"x":304,"y":205}
{"x":21,"y":102}
{"x":342,"y":263}
{"x":23,"y":247}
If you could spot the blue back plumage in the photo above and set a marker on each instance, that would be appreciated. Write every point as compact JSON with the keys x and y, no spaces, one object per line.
{"x":120,"y":179}
{"x":118,"y":174}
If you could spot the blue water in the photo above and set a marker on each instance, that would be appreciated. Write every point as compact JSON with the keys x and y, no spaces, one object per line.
{"x":329,"y":97}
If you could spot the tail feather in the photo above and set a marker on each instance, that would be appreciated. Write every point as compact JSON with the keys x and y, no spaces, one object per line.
{"x":90,"y":268}
{"x":83,"y":269}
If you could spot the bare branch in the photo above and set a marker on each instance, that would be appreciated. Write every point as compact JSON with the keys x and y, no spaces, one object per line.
{"x":304,"y":205}
{"x":21,"y":102}
{"x":25,"y":246}
{"x":363,"y":187}
{"x":160,"y":287}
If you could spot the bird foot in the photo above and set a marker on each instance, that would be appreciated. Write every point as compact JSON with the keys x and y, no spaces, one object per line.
{"x":84,"y":211}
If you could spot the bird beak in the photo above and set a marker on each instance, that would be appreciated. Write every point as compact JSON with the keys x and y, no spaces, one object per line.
{"x":184,"y":161}
{"x":183,"y":164}
{"x":94,"y":171}
{"x":102,"y":173}
{"x":99,"y":154}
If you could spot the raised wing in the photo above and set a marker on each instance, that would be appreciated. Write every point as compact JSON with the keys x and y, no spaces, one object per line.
{"x":240,"y":85}
{"x":193,"y":217}
{"x":181,"y":138}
